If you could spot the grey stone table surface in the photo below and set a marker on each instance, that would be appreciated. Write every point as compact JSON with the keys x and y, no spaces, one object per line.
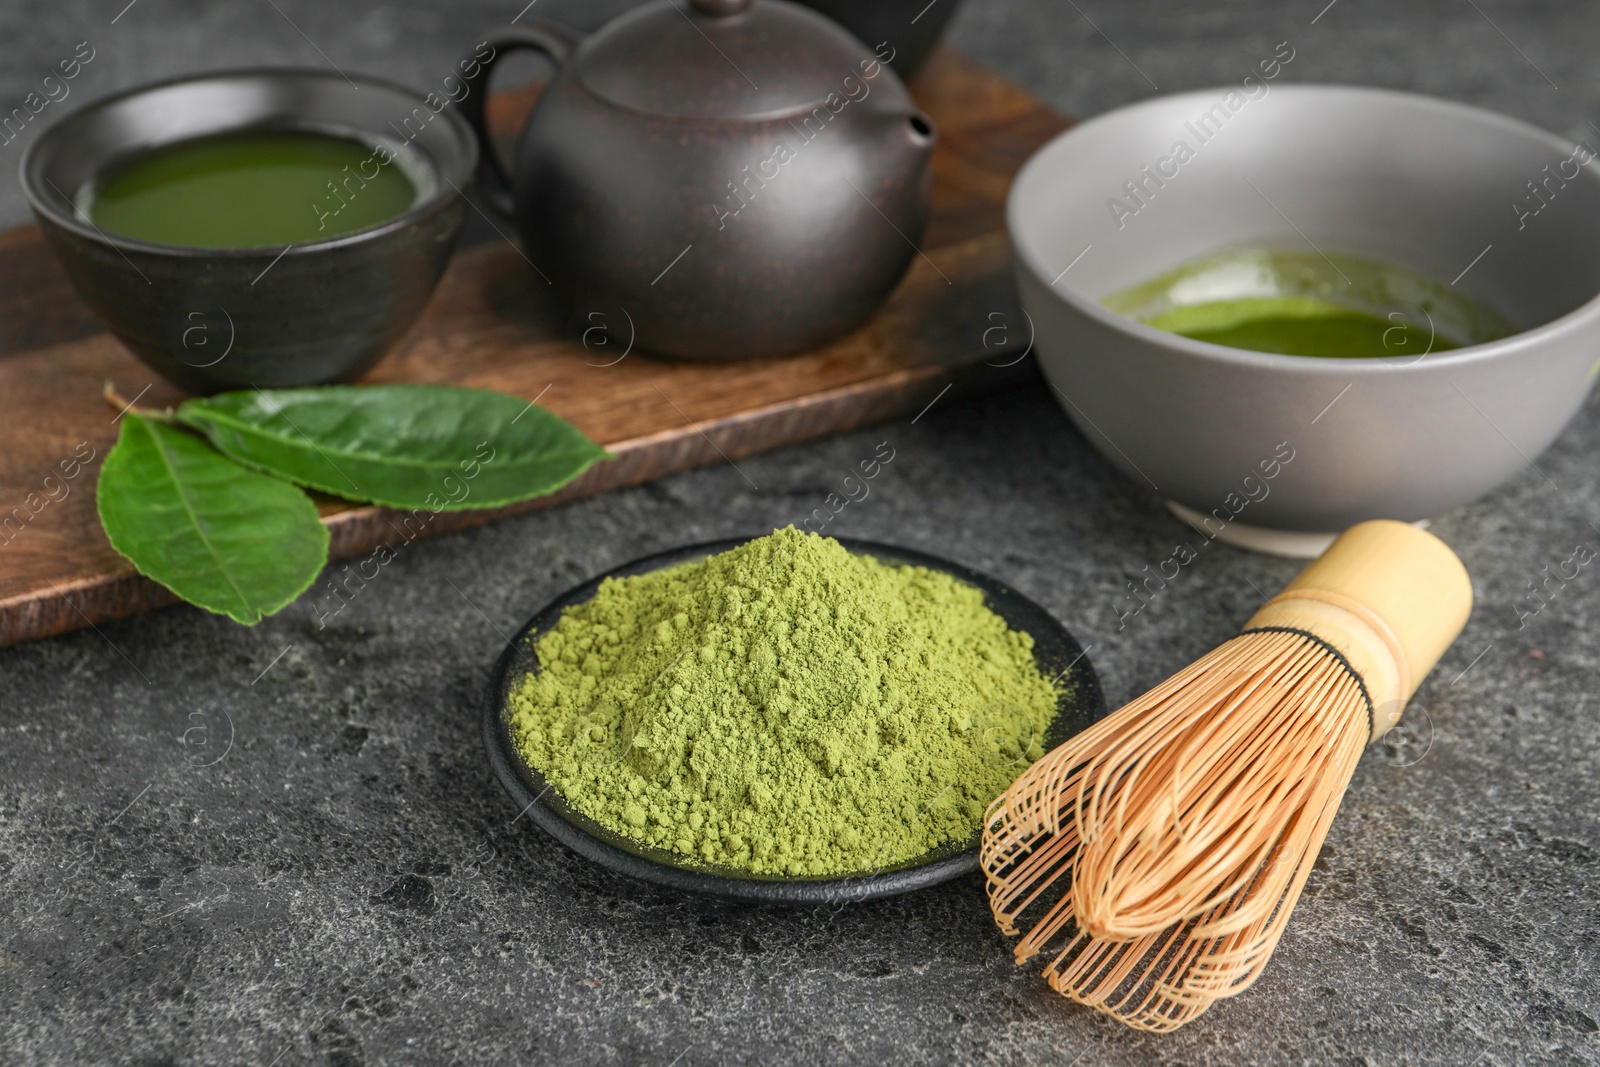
{"x":334,"y":877}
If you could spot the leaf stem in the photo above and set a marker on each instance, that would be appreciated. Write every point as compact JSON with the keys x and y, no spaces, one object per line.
{"x":110,"y":395}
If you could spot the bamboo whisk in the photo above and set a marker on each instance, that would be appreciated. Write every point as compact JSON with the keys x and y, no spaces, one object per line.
{"x":1159,"y":852}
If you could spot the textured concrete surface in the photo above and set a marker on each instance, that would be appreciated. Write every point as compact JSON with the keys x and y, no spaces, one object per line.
{"x":282,"y":846}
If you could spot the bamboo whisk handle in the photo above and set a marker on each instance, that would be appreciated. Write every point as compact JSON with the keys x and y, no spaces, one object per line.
{"x":1390,"y":597}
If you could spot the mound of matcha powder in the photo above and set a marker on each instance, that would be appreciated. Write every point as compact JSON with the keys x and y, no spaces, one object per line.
{"x":786,"y":707}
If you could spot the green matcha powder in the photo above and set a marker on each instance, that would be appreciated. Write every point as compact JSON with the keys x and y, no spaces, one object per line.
{"x":786,"y":707}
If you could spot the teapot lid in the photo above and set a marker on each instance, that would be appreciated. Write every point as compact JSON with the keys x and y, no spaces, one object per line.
{"x":721,"y":59}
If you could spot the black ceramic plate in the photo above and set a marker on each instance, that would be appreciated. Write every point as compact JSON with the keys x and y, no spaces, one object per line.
{"x":1057,"y":654}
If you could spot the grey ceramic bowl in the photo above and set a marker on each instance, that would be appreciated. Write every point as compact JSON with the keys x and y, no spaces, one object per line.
{"x":210,"y":319}
{"x":1430,"y":185}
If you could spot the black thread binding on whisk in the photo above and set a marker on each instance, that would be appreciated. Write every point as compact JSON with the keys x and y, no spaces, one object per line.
{"x":1372,"y":720}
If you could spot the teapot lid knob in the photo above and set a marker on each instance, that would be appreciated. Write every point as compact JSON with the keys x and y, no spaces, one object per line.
{"x":720,"y":8}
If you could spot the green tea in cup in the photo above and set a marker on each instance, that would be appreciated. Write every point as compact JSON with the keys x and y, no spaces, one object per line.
{"x":249,"y":188}
{"x":1301,"y":303}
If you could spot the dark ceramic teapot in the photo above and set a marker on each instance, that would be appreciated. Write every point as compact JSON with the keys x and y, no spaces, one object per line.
{"x":735,"y":178}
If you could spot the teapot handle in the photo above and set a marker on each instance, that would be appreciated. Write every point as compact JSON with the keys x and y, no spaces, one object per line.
{"x":557,"y":43}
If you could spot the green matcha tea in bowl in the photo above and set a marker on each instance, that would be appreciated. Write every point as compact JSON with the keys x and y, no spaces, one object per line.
{"x":1287,"y":309}
{"x":791,"y":718}
{"x":256,"y":228}
{"x":258,"y":188}
{"x":1297,"y":302}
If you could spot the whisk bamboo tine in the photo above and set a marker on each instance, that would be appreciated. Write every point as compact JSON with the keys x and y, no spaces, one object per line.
{"x":1178,"y":832}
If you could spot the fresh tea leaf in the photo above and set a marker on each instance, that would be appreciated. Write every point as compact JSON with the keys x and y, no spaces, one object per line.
{"x":439,"y":447}
{"x":219,"y":535}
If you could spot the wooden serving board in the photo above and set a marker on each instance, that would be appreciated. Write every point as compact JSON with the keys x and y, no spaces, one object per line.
{"x":492,"y":324}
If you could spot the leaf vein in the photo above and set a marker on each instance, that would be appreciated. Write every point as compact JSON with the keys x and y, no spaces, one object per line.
{"x":194,"y":518}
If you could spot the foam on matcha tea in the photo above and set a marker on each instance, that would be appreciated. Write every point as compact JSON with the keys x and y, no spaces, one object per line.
{"x":249,"y":188}
{"x":1306,"y":304}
